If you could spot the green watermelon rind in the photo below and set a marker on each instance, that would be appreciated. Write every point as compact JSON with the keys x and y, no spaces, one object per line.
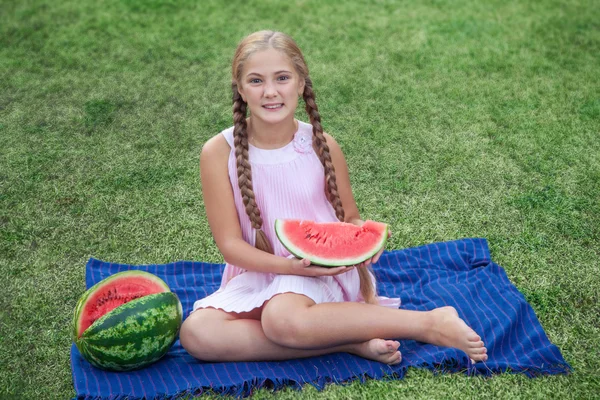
{"x":109,"y":280}
{"x":324,"y":262}
{"x":134,"y":334}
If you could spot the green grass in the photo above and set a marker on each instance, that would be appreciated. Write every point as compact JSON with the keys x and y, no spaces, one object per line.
{"x":458,"y":119}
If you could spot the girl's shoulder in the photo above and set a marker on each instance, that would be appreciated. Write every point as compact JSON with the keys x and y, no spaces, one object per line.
{"x":332,"y":143}
{"x":218,"y":146}
{"x":334,"y":148}
{"x":227,"y":134}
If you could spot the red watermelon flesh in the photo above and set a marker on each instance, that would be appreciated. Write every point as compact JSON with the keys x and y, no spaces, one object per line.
{"x":332,"y":243}
{"x":113,"y":292}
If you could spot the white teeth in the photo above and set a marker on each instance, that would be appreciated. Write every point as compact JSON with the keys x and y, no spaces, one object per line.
{"x":273,"y":107}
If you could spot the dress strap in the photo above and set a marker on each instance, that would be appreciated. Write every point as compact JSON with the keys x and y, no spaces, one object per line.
{"x":228,"y":134}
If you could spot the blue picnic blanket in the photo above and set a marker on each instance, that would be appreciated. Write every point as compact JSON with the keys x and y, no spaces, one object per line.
{"x":458,"y":273}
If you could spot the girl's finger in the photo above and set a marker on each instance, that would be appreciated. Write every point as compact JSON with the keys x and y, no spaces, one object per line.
{"x":376,"y":256}
{"x":334,"y":271}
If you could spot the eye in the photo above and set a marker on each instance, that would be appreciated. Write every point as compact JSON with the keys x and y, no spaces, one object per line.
{"x":255,"y":80}
{"x":283,"y":78}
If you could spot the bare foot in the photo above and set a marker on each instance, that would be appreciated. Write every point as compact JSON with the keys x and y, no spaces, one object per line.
{"x":385,"y":351}
{"x":450,"y":330}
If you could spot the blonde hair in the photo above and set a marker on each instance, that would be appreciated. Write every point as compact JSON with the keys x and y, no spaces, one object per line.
{"x":251,"y":44}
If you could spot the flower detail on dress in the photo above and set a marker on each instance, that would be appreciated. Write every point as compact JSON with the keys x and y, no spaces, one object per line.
{"x":303,"y":142}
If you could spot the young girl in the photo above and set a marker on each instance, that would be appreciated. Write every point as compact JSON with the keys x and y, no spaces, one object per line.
{"x":272,"y":306}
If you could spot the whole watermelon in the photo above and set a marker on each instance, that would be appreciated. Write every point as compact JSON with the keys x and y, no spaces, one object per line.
{"x":127,"y":321}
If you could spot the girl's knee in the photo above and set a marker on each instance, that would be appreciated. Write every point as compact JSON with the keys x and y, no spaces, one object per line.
{"x":188,"y":333}
{"x":283,"y":323}
{"x":196,"y":334}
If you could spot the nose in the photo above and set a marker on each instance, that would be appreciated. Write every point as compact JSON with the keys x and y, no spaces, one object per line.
{"x":270,"y":90}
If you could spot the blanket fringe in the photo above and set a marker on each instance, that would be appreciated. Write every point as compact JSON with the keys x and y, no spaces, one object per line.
{"x":450,"y":365}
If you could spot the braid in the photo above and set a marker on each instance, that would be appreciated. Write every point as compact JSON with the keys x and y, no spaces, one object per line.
{"x":367,"y":287}
{"x":322,"y":149}
{"x":240,"y":135}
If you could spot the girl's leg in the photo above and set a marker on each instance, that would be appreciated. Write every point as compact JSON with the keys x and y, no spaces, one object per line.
{"x":214,"y":335}
{"x":295,"y":321}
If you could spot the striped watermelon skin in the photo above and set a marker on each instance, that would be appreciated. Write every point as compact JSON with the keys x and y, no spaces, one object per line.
{"x":145,"y":278}
{"x":133,"y":335}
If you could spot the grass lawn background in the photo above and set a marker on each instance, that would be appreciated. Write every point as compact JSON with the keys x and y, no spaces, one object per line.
{"x":458,"y":119}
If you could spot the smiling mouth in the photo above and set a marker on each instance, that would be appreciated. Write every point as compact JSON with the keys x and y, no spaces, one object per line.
{"x":273,"y":106}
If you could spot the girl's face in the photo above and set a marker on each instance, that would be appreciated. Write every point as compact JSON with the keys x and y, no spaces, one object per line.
{"x":271,"y":86}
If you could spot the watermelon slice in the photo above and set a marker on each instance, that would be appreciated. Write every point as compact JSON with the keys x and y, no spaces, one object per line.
{"x":332,"y":244}
{"x":126,"y":321}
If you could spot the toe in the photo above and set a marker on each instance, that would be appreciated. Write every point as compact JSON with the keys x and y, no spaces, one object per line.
{"x":396,"y":358}
{"x":392,"y":345}
{"x":473,"y":337}
{"x":478,"y":357}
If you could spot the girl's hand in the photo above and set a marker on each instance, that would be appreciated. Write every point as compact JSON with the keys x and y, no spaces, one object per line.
{"x":304,"y":268}
{"x":375,"y":258}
